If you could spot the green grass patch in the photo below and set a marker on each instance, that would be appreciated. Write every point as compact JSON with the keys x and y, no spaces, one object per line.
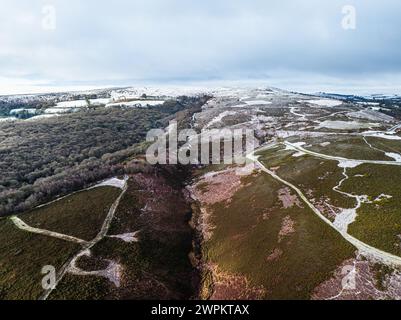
{"x":385,"y":144}
{"x":377,"y":223}
{"x":81,"y":214}
{"x":22,"y":257}
{"x":74,"y":287}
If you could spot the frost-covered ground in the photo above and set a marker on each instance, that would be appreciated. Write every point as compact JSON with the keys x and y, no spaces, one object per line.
{"x":324,"y":102}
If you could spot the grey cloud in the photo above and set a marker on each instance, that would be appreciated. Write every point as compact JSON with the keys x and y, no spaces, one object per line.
{"x":177,"y":40}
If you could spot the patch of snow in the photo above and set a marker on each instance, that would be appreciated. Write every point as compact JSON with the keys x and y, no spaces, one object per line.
{"x":295,"y":144}
{"x":113,"y":182}
{"x":298,"y":154}
{"x":136,"y":103}
{"x":395,"y":156}
{"x":289,"y":125}
{"x":263,"y":118}
{"x":79,"y":103}
{"x":324,"y":102}
{"x":161,"y":91}
{"x":72,"y":104}
{"x":240,"y":106}
{"x":370,"y":115}
{"x":262,"y":96}
{"x":220,"y":117}
{"x":347,"y":216}
{"x":246,"y":170}
{"x":346,"y":125}
{"x":325,"y":144}
{"x":113,"y":271}
{"x":99,"y":101}
{"x":349,"y":163}
{"x":30,"y":111}
{"x":344,"y":219}
{"x":369,"y":103}
{"x":257,"y":102}
{"x":127,"y":237}
{"x":284,"y":134}
{"x":42,"y":116}
{"x":8,"y":119}
{"x":382,"y":196}
{"x":58,"y":110}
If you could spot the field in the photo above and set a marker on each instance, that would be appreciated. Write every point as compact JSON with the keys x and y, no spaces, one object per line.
{"x":23,"y":254}
{"x":22,"y":257}
{"x":275,"y":250}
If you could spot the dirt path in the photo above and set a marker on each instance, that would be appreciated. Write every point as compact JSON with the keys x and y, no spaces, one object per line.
{"x":23,"y":226}
{"x":294,"y":111}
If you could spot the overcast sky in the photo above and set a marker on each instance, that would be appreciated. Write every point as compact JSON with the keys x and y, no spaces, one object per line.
{"x":295,"y":44}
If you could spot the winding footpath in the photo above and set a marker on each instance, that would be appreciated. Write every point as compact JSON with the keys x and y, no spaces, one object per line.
{"x":364,"y":249}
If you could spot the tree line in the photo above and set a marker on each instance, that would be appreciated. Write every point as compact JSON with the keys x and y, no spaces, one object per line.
{"x":46,"y":158}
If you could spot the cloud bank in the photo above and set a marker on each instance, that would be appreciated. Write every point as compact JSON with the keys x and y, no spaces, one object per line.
{"x":290,"y":43}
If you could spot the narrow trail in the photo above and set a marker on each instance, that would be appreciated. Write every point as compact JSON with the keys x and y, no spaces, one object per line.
{"x":70,"y":264}
{"x":294,"y":111}
{"x":364,"y":249}
{"x":23,"y":226}
{"x":372,"y":147}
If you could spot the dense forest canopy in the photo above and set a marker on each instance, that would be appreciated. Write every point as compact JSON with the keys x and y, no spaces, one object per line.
{"x":45,"y":158}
